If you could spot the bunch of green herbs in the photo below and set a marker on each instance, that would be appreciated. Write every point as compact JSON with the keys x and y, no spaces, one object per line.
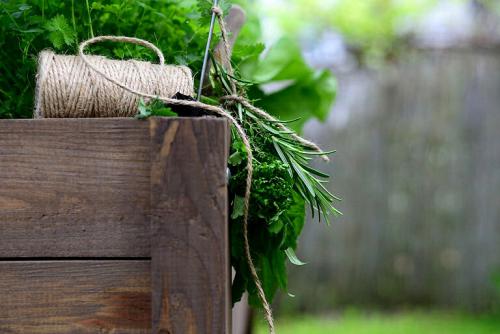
{"x":283,"y":183}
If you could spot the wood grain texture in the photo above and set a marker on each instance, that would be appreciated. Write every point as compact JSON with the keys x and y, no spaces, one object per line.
{"x":110,"y":189}
{"x":74,"y":187}
{"x":189,"y":247}
{"x":77,"y":297}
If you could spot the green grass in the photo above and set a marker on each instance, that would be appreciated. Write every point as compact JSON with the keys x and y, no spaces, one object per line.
{"x":405,"y":322}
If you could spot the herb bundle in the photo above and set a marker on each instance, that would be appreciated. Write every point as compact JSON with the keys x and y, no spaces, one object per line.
{"x":283,"y":183}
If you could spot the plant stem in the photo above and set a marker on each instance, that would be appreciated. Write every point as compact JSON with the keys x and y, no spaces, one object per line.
{"x":73,"y":20}
{"x":11,"y":18}
{"x":90,"y":19}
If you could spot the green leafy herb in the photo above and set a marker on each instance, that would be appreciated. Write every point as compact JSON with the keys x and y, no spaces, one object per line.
{"x":60,"y":32}
{"x":293,"y":258}
{"x":283,"y":182}
{"x":154,"y":108}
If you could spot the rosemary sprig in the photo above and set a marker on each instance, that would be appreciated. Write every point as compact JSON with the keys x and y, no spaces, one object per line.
{"x":308,"y":181}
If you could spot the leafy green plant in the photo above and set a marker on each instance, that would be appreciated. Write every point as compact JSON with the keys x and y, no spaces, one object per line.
{"x":307,"y":93}
{"x":283,"y":181}
{"x":60,"y":33}
{"x":154,"y":108}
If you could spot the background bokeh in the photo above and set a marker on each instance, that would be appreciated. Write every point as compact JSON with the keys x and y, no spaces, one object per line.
{"x":416,"y":125}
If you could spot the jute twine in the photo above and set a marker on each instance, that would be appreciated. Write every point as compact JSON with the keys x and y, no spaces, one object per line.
{"x":111,"y":76}
{"x":67,"y":87}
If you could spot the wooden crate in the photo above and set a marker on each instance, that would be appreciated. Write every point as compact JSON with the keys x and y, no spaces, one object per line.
{"x":114,"y":226}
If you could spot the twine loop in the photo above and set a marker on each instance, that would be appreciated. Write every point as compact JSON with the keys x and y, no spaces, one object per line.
{"x":125,"y":39}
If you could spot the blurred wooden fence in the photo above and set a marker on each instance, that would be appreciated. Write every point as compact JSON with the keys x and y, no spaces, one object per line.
{"x":418,"y":167}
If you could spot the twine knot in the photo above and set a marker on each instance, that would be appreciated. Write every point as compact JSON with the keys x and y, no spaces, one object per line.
{"x":248,"y":105}
{"x":217,"y":11}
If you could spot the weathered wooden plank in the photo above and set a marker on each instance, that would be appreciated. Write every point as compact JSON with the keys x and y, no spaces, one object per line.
{"x":74,"y":187}
{"x":78,"y":297}
{"x":189,"y":248}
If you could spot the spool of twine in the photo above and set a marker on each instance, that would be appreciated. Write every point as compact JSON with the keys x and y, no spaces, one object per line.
{"x":67,"y":87}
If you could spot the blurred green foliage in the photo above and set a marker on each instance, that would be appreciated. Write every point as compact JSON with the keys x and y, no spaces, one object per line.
{"x":306,"y":92}
{"x":404,"y":322}
{"x":495,"y":280}
{"x":372,"y":28}
{"x":493,"y":5}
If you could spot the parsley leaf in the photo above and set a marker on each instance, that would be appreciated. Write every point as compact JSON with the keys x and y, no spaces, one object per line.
{"x":60,"y":32}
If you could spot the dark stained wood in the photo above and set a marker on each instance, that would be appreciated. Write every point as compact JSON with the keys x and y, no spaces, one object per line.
{"x":189,"y":247}
{"x":77,"y":297}
{"x":85,"y":203}
{"x":74,"y":187}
